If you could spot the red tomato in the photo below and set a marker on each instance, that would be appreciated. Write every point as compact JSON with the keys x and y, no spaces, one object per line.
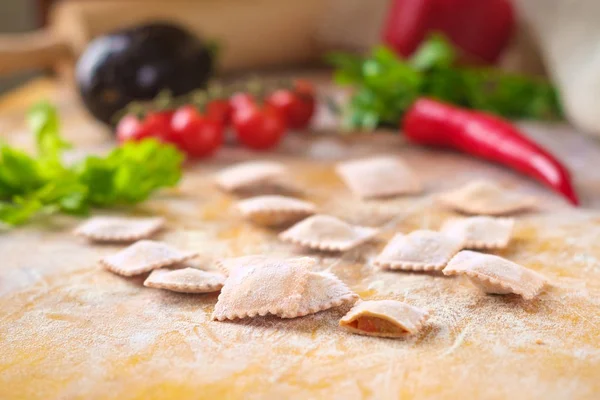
{"x":259,"y":128}
{"x":298,"y":105}
{"x":219,"y":110}
{"x":305,"y":89}
{"x":306,"y":93}
{"x":131,"y":128}
{"x":241,"y":101}
{"x":194,"y":133}
{"x":158,"y":124}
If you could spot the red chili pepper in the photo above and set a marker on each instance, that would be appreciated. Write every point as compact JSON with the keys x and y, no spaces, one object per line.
{"x":481,"y":28}
{"x":433,"y":123}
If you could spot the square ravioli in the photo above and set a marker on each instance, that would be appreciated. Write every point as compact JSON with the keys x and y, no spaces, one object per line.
{"x":327,"y":233}
{"x":144,"y":256}
{"x":227,"y":265}
{"x":384,"y":318}
{"x":185,"y":280}
{"x":379,"y":176}
{"x":323,"y":291}
{"x":496,"y":275}
{"x":119,"y":229}
{"x":480,"y":232}
{"x":253,"y":176}
{"x":264,"y":286}
{"x":275,"y":210}
{"x":421,"y":250}
{"x":486,"y":198}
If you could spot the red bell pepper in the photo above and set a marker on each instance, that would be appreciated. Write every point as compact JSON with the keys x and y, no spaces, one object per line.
{"x":481,"y":28}
{"x":430,"y":122}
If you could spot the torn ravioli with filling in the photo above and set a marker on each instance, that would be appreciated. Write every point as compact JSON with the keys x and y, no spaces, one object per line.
{"x":385,"y":318}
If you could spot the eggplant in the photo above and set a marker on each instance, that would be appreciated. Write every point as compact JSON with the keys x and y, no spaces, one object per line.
{"x":136,"y":64}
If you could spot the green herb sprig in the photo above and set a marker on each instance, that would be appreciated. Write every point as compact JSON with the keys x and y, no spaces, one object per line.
{"x":386,"y":85}
{"x":45,"y":184}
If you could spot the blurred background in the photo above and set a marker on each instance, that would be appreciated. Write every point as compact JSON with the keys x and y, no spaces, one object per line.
{"x":20,"y":16}
{"x":353,"y":25}
{"x":553,"y":38}
{"x":121,"y":71}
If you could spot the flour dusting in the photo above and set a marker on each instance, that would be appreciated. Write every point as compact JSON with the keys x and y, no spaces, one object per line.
{"x":69,"y":329}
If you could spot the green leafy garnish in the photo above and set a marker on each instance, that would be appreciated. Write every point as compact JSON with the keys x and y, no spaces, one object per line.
{"x":45,"y":184}
{"x":436,"y":52}
{"x":386,"y":85}
{"x":130,"y":173}
{"x":44,"y":123}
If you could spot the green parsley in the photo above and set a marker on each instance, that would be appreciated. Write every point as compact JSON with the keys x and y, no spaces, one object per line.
{"x":386,"y":85}
{"x":44,"y":184}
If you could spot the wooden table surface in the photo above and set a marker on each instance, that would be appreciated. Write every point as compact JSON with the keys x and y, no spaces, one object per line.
{"x":71,"y":330}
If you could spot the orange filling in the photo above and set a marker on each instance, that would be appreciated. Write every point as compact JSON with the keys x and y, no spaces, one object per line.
{"x":375,"y":325}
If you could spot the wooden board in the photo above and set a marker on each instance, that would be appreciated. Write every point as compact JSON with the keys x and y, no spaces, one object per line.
{"x":71,"y":330}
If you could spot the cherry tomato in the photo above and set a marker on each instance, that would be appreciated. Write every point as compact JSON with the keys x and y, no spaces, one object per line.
{"x":241,"y":101}
{"x":158,"y":124}
{"x":194,"y":133}
{"x":305,"y":89}
{"x":219,"y":110}
{"x":298,"y":105}
{"x":131,"y":128}
{"x":259,"y":128}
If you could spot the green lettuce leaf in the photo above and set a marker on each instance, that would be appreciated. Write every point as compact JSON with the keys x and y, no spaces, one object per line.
{"x":130,"y":173}
{"x":44,"y":184}
{"x":19,"y":173}
{"x":43,"y":121}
